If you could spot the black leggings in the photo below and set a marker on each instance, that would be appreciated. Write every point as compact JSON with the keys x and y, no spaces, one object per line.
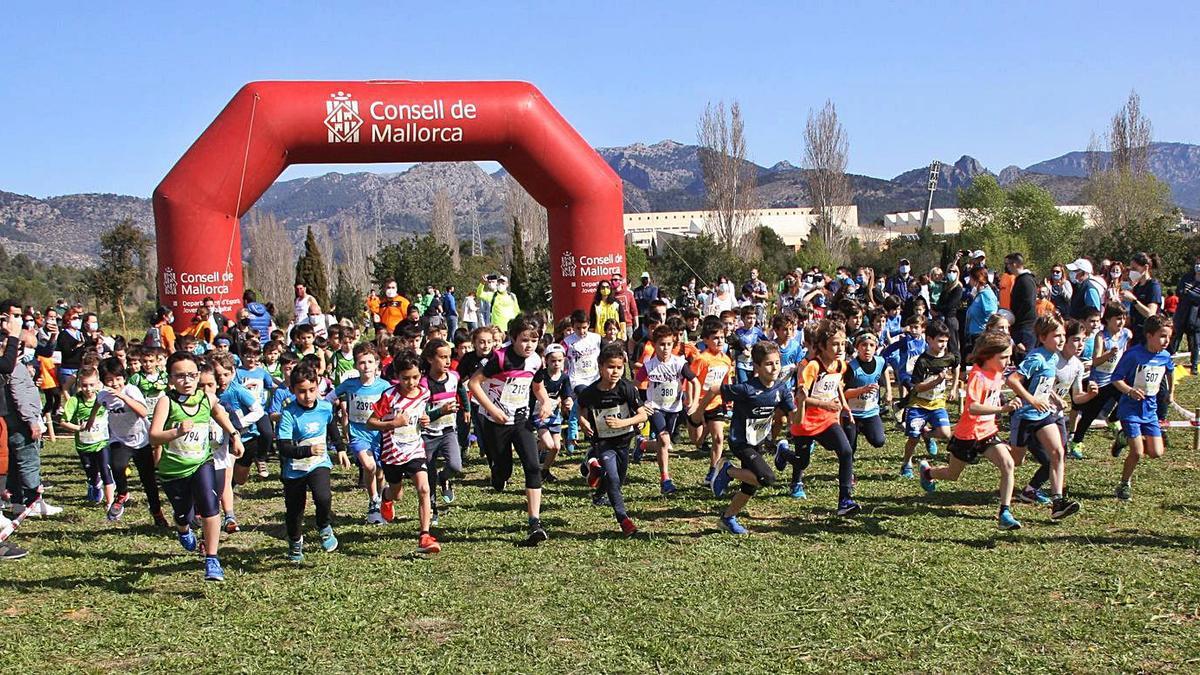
{"x":295,"y":496}
{"x":143,"y":460}
{"x":502,"y":440}
{"x":871,"y":427}
{"x":1104,"y":402}
{"x":832,"y":438}
{"x":255,"y":449}
{"x":95,"y":466}
{"x":266,"y":438}
{"x":752,"y":461}
{"x":615,"y":460}
{"x":53,"y":402}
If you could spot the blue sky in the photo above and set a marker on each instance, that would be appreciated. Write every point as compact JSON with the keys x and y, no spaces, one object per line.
{"x":105,"y":97}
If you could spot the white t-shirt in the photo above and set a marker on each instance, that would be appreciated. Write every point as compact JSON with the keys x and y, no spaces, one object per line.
{"x":582,"y":358}
{"x":124,"y":425}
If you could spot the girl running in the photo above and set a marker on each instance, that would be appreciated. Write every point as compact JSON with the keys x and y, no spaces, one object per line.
{"x":128,"y":434}
{"x":440,"y":436}
{"x":977,"y":433}
{"x":1140,"y":376}
{"x":863,"y":374}
{"x":669,"y":378}
{"x":1110,"y":345}
{"x":301,"y":438}
{"x":553,"y":377}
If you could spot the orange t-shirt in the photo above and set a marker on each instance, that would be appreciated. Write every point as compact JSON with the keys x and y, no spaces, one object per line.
{"x":712,"y":370}
{"x":822,"y":384}
{"x":1044,"y":307}
{"x":982,"y":387}
{"x":1006,"y":285}
{"x":393,"y":312}
{"x":46,"y":368}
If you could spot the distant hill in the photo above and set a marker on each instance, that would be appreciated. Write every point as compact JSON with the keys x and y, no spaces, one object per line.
{"x":664,"y":176}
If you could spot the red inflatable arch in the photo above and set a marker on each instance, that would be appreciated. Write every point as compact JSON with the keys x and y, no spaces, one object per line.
{"x":271,"y":125}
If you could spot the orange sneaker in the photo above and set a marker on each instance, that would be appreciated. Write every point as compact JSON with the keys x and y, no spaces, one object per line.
{"x":427,"y":544}
{"x":387,"y":510}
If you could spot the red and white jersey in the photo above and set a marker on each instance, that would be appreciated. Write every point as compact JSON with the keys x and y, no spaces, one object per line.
{"x":582,"y":358}
{"x":509,"y":382}
{"x":441,"y":394}
{"x":402,"y":444}
{"x":664,"y":390}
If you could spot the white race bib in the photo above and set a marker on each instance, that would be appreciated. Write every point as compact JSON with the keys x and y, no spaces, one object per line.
{"x":1149,"y":379}
{"x":715,"y":377}
{"x":826,"y":388}
{"x":665,"y":395}
{"x":360,"y":408}
{"x":866,"y":401}
{"x":194,"y":445}
{"x":602,"y":428}
{"x":407,"y":435}
{"x":98,"y":433}
{"x":757,"y":430}
{"x":307,"y":464}
{"x":515,"y":395}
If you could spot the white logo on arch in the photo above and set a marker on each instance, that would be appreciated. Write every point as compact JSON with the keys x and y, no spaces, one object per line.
{"x":342,"y":118}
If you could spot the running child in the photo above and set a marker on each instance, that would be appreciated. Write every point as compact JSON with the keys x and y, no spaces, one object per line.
{"x":300,"y":441}
{"x":261,"y":383}
{"x":440,"y":437}
{"x":1139,"y":377}
{"x":977,"y":434}
{"x":222,"y":465}
{"x":356,"y":397}
{"x":398,"y":415}
{"x":934,"y":371}
{"x":128,"y":436}
{"x":668,"y":378}
{"x":180,"y":432}
{"x":863,"y":374}
{"x":1108,"y":348}
{"x":553,"y":377}
{"x":748,"y":336}
{"x":88,"y":418}
{"x":244,"y":410}
{"x":754,"y":404}
{"x":610,"y":412}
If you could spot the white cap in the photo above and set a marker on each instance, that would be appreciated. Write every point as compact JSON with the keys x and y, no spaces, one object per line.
{"x":645,"y":275}
{"x":1081,"y":264}
{"x":978,"y":253}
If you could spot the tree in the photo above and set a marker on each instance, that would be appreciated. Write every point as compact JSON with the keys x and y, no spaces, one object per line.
{"x":347,"y":297}
{"x":518,"y":203}
{"x":357,"y":245}
{"x":442,"y":225}
{"x":1120,"y":184}
{"x":1021,"y":218}
{"x":729,"y":179}
{"x":123,"y":253}
{"x":701,"y":257}
{"x":518,"y":277}
{"x":268,"y":257}
{"x":310,"y":270}
{"x":826,"y":149}
{"x":414,"y":263}
{"x":636,"y":261}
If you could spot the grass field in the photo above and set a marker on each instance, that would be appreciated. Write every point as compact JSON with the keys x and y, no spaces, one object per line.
{"x":915,"y":583}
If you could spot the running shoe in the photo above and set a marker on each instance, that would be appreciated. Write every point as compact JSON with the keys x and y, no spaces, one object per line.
{"x":595,"y":473}
{"x":1007,"y":522}
{"x":1031,"y":496}
{"x":848,"y":507}
{"x":1125,"y":492}
{"x":433,"y":519}
{"x":668,"y":487}
{"x":1063,"y":508}
{"x":426,"y":544}
{"x":230,"y":525}
{"x":1075,"y":450}
{"x":798,"y":491}
{"x":296,"y":550}
{"x":387,"y":510}
{"x":783,"y":455}
{"x":638,"y":451}
{"x":720,"y":482}
{"x":548,"y":477}
{"x":212,"y":569}
{"x":906,"y":470}
{"x":731,"y":525}
{"x":160,"y":520}
{"x":93,"y":495}
{"x":931,"y":446}
{"x":448,"y":492}
{"x":188,"y":541}
{"x":627,"y":527}
{"x":927,"y":480}
{"x":1118,"y":443}
{"x":43,"y":508}
{"x":537,"y":534}
{"x":329,"y":542}
{"x":11,"y":551}
{"x":114,"y":512}
{"x":262,"y":468}
{"x":600,"y":498}
{"x":708,"y":478}
{"x":374,"y":517}
{"x":6,"y":528}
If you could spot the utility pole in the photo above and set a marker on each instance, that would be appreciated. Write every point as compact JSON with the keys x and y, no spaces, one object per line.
{"x":935,"y":168}
{"x":476,"y":237}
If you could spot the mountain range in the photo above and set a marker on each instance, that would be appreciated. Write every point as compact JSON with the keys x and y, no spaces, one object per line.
{"x":665,"y":176}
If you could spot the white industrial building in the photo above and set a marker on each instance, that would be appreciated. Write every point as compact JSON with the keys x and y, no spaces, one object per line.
{"x":949,"y":221}
{"x":645,"y":230}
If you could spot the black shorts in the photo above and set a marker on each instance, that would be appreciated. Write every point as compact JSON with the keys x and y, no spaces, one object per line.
{"x":396,"y":473}
{"x":969,"y":451}
{"x":718,"y":414}
{"x":1028,"y":429}
{"x":664,"y":422}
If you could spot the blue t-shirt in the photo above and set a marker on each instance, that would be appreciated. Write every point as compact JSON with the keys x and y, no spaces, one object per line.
{"x":1038,"y":369}
{"x":1141,"y":369}
{"x":902,"y":354}
{"x":1102,"y":374}
{"x":237,"y":401}
{"x":305,"y":426}
{"x":360,"y":399}
{"x":280,"y":399}
{"x":859,"y":374}
{"x":754,"y":406}
{"x":257,"y":381}
{"x":980,"y":310}
{"x":749,"y":337}
{"x":892,"y":328}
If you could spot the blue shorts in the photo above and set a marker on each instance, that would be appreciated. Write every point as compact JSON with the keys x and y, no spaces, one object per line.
{"x":916,"y":418}
{"x":358,"y":446}
{"x":1134,"y":429}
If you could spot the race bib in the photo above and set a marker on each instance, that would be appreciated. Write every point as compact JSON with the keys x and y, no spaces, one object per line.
{"x":1149,"y":379}
{"x":602,"y":428}
{"x":446,"y":421}
{"x":1044,"y":387}
{"x":586,"y":370}
{"x":407,"y":435}
{"x":757,"y":430}
{"x":194,"y":445}
{"x":912,"y":361}
{"x":934,"y":393}
{"x":715,"y":377}
{"x":307,"y":464}
{"x":515,"y":395}
{"x":826,"y":388}
{"x":97,"y":434}
{"x":360,"y":408}
{"x":867,"y":401}
{"x":665,"y":394}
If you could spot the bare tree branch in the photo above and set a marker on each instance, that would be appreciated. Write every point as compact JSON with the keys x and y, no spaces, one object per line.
{"x":729,"y":179}
{"x":441,"y":224}
{"x":826,"y":148}
{"x":270,"y":257}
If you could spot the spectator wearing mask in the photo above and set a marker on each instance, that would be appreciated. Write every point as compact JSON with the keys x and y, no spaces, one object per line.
{"x":1187,"y":313}
{"x":948,"y":304}
{"x":1059,"y":290}
{"x":484,"y":293}
{"x":505,"y":307}
{"x":644,"y":294}
{"x":1089,"y":291}
{"x":899,"y":283}
{"x":1145,"y":297}
{"x":393,"y":308}
{"x":450,"y":309}
{"x":630,"y":317}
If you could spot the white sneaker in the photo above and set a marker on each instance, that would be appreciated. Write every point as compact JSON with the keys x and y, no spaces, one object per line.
{"x":374,"y":517}
{"x":42,"y":508}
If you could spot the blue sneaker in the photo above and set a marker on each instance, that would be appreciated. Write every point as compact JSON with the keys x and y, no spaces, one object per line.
{"x":1075,"y":450}
{"x":93,"y":494}
{"x":783,"y":455}
{"x":328,"y":541}
{"x":296,"y":550}
{"x":1007,"y":522}
{"x":731,"y":525}
{"x":708,"y":478}
{"x":931,"y":447}
{"x":1032,"y":496}
{"x":848,"y":507}
{"x":188,"y":541}
{"x":720,"y":482}
{"x":668,"y":487}
{"x":906,"y":470}
{"x":927,"y":481}
{"x":798,"y":491}
{"x":639,"y":450}
{"x":212,"y":569}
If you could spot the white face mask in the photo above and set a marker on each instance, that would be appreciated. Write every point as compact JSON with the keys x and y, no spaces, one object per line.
{"x":76,"y":324}
{"x":1134,"y":275}
{"x":389,"y":292}
{"x":904,"y":269}
{"x":1116,"y":274}
{"x":93,"y":326}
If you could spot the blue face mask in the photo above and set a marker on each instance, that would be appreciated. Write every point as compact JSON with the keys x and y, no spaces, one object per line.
{"x":951,"y":277}
{"x":860,"y":280}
